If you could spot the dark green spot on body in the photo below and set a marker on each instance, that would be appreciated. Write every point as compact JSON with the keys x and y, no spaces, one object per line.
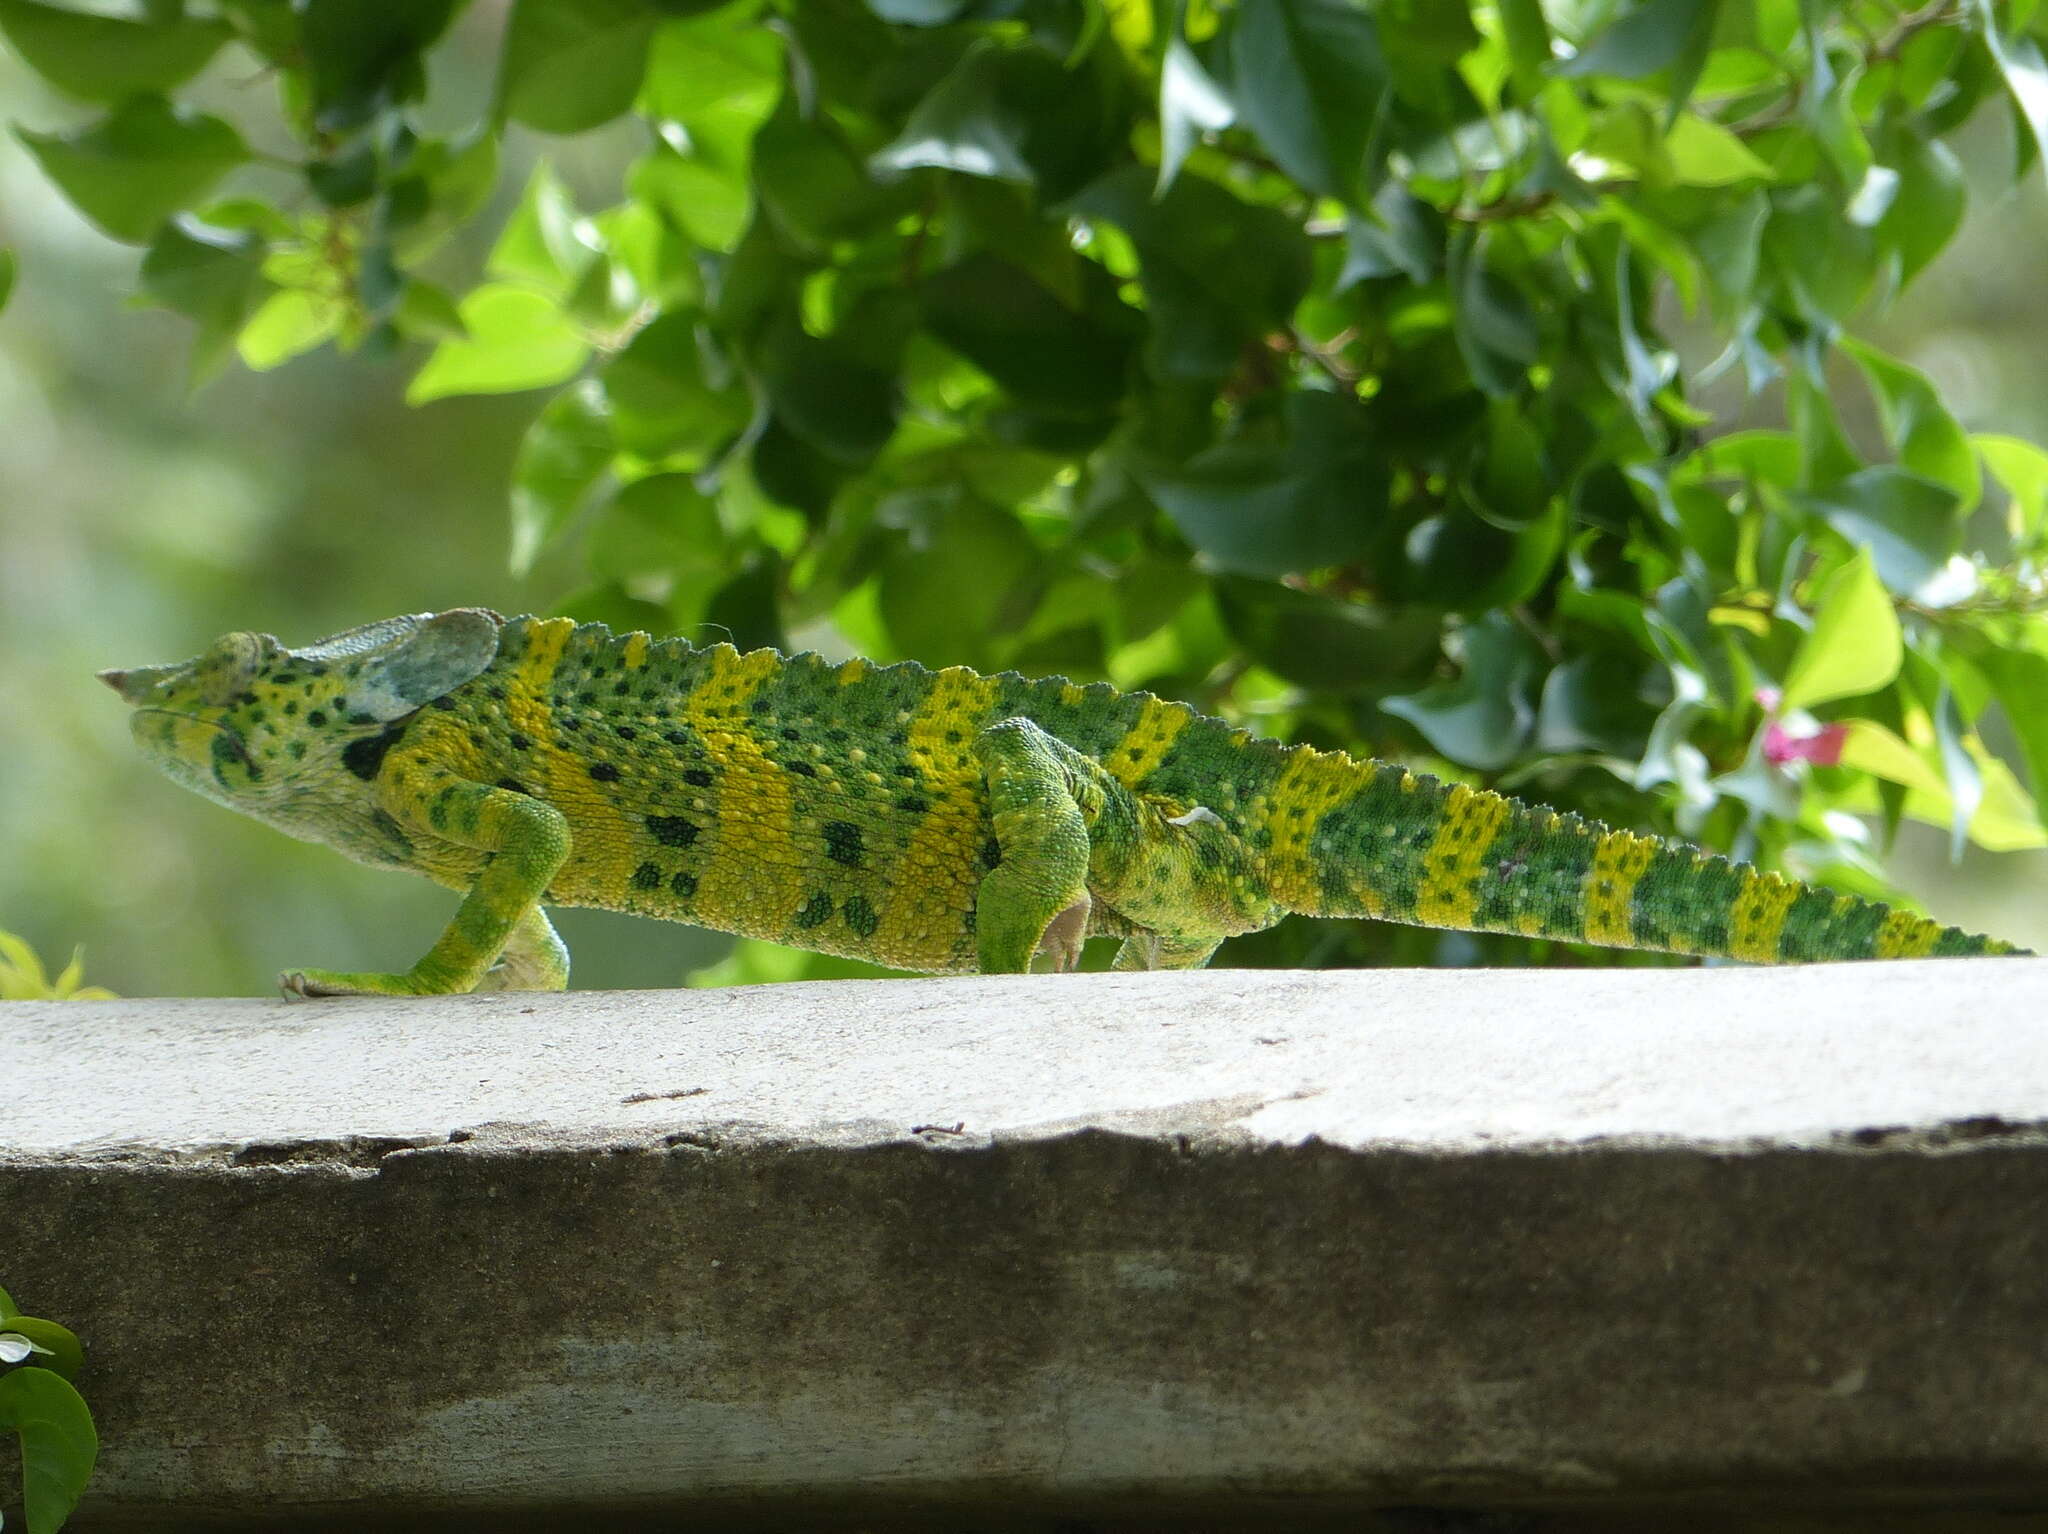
{"x":672,"y":830}
{"x":842,"y":842}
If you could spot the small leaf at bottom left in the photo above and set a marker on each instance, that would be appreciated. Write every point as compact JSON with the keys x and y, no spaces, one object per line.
{"x":58,"y":1443}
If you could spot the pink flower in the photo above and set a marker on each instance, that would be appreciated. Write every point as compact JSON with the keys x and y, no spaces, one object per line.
{"x":1824,"y":749}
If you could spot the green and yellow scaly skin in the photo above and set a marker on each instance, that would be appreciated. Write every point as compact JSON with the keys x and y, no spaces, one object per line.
{"x":938,"y":821}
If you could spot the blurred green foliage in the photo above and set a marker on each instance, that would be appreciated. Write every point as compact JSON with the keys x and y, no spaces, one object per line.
{"x":1501,"y":388}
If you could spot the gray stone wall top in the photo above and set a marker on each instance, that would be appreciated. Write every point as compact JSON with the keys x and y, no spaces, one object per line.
{"x":998,"y":1252}
{"x":1452,"y":1060}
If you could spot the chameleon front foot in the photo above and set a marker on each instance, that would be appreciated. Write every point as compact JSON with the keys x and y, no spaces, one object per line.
{"x":302,"y":983}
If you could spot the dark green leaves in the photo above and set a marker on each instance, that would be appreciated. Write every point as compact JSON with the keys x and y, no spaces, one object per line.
{"x":665,"y":401}
{"x":1311,"y":83}
{"x":1218,"y":272}
{"x":1483,"y":717}
{"x":1021,"y":335}
{"x":364,"y":56}
{"x":107,"y":58}
{"x":1495,"y":327}
{"x":1013,"y":112}
{"x":1314,"y":499}
{"x":133,"y":169}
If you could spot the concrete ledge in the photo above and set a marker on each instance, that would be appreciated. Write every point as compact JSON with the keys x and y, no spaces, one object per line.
{"x":1002,"y":1251}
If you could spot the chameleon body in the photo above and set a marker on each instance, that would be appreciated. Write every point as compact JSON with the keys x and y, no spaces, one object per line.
{"x":925,"y":820}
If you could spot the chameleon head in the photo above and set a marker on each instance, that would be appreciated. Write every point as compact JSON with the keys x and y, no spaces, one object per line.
{"x":268,"y":731}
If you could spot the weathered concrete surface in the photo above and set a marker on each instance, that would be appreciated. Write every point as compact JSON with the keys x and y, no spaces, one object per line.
{"x":1257,"y":1244}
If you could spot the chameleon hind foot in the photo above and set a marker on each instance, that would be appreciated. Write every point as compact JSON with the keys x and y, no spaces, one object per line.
{"x":1065,"y":936}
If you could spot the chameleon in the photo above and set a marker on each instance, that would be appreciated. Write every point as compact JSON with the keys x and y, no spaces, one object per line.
{"x":941,"y":821}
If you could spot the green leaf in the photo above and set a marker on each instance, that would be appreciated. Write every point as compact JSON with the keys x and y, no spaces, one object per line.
{"x":570,"y":65}
{"x":1927,"y":204}
{"x":709,"y":202}
{"x":1332,"y":646}
{"x":1401,"y":234}
{"x":427,"y":313}
{"x":213,"y":277}
{"x":106,"y":58}
{"x":816,"y":188}
{"x":58,"y":1443}
{"x":1528,"y":42}
{"x":944,"y":586}
{"x":1655,"y":35}
{"x":2019,"y":680}
{"x":999,"y":318}
{"x":59,"y":1347}
{"x":1761,"y":457}
{"x":664,"y":400}
{"x":1703,"y":153}
{"x":285,"y":326}
{"x":563,"y":454}
{"x":1218,"y":272}
{"x":1317,"y":499}
{"x":826,"y":394}
{"x":544,"y":243}
{"x":1907,"y":523}
{"x":7,"y":1305}
{"x":9,"y":268}
{"x":2025,"y":74}
{"x":1596,"y":702}
{"x":1854,"y":646}
{"x":1483,"y":719}
{"x":1960,"y":774}
{"x":1190,"y":104}
{"x":1510,"y":482}
{"x":140,"y":164}
{"x":2022,"y":469}
{"x":1311,"y":83}
{"x":1010,"y":113}
{"x":1922,"y":432}
{"x":516,"y":339}
{"x":718,"y":76}
{"x":662,"y":524}
{"x":1492,"y":319}
{"x":745,"y":610}
{"x":1468,"y":563}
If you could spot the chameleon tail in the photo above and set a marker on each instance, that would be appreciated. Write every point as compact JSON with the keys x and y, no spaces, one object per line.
{"x":1362,"y":838}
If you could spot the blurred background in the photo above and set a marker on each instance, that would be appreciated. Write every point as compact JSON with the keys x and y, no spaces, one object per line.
{"x":139,"y":519}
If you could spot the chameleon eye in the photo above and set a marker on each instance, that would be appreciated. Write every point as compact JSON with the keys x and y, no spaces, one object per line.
{"x":229,"y":665}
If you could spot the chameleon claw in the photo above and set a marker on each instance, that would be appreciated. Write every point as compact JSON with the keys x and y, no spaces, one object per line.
{"x":1065,"y":934}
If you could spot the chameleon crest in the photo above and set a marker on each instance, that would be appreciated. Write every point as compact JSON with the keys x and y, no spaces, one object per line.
{"x":927,"y":820}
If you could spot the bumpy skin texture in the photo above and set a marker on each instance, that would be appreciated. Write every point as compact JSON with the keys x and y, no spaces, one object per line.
{"x":939,"y":821}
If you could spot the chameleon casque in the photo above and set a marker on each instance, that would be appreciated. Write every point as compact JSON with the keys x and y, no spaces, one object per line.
{"x":926,"y":820}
